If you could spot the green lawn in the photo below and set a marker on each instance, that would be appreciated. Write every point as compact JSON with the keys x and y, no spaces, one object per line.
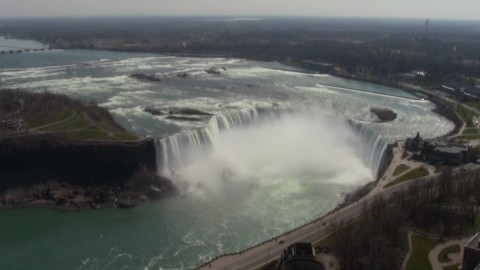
{"x":73,"y":124}
{"x":87,"y":134}
{"x":125,"y":136}
{"x":477,"y":222}
{"x":466,"y":115}
{"x":420,"y":248}
{"x":468,"y":137}
{"x":401,"y":169}
{"x":32,"y":121}
{"x":474,"y":104}
{"x":443,"y":256}
{"x":470,"y":131}
{"x":53,"y":113}
{"x":413,"y":174}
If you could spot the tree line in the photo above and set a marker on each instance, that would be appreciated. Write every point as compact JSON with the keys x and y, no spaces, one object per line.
{"x":377,"y":240}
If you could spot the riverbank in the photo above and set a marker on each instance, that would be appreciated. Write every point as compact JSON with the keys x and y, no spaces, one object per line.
{"x":58,"y":152}
{"x":142,"y":187}
{"x":46,"y":171}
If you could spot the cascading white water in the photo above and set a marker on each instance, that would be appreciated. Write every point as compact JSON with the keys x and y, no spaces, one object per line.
{"x":374,"y":149}
{"x":176,"y":151}
{"x":179,"y":150}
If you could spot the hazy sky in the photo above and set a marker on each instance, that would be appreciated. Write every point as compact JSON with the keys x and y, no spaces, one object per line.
{"x":448,"y":9}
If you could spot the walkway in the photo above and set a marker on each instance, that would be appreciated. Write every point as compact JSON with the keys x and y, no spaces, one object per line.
{"x":455,"y":258}
{"x":410,"y":248}
{"x":397,"y":160}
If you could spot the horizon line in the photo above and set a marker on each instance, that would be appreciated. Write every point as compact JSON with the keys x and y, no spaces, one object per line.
{"x":253,"y":17}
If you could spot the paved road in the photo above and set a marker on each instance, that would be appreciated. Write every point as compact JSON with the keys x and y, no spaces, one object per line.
{"x":271,"y":250}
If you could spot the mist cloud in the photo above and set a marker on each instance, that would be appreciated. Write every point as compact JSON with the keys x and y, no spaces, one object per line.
{"x":290,"y":147}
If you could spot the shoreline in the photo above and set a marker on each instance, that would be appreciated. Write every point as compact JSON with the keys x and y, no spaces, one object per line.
{"x":141,"y":188}
{"x":300,"y":69}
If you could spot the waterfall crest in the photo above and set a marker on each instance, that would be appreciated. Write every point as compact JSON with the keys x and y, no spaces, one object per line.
{"x":374,"y":146}
{"x":177,"y":150}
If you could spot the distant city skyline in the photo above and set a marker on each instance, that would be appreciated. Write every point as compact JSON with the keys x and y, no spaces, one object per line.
{"x":435,"y":9}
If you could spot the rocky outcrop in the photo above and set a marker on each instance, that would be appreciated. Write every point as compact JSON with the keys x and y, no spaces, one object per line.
{"x":184,"y":118}
{"x":154,"y":111}
{"x":156,"y":78}
{"x":188,"y":111}
{"x":143,"y":186}
{"x":383,"y":114}
{"x":215,"y":71}
{"x":145,"y":77}
{"x":47,"y":170}
{"x":52,"y":156}
{"x":183,"y":114}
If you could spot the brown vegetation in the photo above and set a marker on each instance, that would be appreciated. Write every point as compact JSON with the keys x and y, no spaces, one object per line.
{"x":377,"y":240}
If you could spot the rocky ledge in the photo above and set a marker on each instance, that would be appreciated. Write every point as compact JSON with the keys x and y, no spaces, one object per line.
{"x":142,"y":187}
{"x":48,"y":171}
{"x":152,"y":77}
{"x":383,"y":114}
{"x":179,"y":114}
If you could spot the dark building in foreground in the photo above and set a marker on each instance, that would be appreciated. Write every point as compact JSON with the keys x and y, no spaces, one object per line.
{"x":471,"y":254}
{"x":299,"y":256}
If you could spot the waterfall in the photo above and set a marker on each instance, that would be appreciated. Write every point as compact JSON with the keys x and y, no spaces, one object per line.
{"x":180,"y":149}
{"x":374,"y":146}
{"x":177,"y":150}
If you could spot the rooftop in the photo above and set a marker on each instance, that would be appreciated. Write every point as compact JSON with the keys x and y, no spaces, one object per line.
{"x":474,"y":242}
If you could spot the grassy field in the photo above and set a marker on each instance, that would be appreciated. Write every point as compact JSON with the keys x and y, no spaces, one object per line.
{"x":466,"y":115}
{"x":52,"y":113}
{"x":421,"y":246}
{"x":474,"y":104}
{"x":401,"y":169}
{"x":465,"y":139}
{"x":471,"y":131}
{"x":415,"y":173}
{"x":443,"y":256}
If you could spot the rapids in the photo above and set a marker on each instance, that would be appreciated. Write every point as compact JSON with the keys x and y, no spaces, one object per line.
{"x":280,"y":148}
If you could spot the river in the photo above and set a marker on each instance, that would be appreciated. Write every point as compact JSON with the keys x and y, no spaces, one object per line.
{"x":284,"y":147}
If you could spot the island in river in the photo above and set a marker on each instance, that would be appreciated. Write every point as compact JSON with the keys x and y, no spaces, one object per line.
{"x":383,"y":114}
{"x":62,"y":153}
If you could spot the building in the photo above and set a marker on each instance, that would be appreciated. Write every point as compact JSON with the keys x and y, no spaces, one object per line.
{"x":414,"y":144}
{"x":299,"y":256}
{"x":472,"y":91}
{"x":471,"y":254}
{"x":460,"y":89}
{"x":447,"y":153}
{"x":453,"y":87}
{"x":439,"y":151}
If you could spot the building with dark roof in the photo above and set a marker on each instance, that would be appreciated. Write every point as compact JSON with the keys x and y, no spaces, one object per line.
{"x":471,"y":254}
{"x":447,"y":153}
{"x":458,"y":88}
{"x":439,"y":151}
{"x":299,"y":256}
